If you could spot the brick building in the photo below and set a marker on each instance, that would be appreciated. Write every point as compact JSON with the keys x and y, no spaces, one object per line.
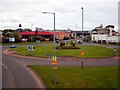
{"x":45,"y":34}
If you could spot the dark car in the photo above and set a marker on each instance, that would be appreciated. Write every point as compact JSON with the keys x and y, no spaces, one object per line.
{"x":13,"y":46}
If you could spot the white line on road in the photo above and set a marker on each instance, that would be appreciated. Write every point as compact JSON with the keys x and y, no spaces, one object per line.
{"x":4,"y":66}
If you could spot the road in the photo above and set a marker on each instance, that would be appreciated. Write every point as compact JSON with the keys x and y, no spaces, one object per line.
{"x":17,"y":75}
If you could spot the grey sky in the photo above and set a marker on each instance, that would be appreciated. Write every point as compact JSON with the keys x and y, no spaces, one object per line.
{"x":68,"y":13}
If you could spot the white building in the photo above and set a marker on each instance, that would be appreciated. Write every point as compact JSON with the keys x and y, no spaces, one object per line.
{"x":106,"y":35}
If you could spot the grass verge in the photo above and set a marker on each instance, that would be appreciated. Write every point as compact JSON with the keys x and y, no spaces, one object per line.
{"x":75,"y":77}
{"x":90,"y":51}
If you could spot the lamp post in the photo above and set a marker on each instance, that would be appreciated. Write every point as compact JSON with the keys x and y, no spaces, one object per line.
{"x":54,"y":45}
{"x":82,"y":35}
{"x":82,"y":22}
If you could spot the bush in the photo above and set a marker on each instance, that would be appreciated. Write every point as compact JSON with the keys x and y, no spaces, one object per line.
{"x":43,"y":39}
{"x":73,"y":43}
{"x":37,"y":38}
{"x":5,"y":40}
{"x":34,"y":38}
{"x":31,"y":39}
{"x":62,"y":43}
{"x":66,"y":38}
{"x":51,"y":38}
{"x":17,"y":37}
{"x":17,"y":40}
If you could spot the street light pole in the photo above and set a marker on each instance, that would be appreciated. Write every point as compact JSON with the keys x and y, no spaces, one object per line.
{"x":54,"y":37}
{"x":54,"y":31}
{"x":82,"y":22}
{"x":82,"y":35}
{"x":54,"y":66}
{"x":54,"y":51}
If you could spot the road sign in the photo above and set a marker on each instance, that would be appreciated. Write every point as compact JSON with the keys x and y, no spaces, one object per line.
{"x":54,"y":58}
{"x":48,"y":55}
{"x":114,"y":48}
{"x":82,"y":53}
{"x":54,"y":62}
{"x":31,"y":48}
{"x":11,"y":39}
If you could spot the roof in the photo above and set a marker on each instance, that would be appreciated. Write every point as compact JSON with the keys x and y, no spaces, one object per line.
{"x":109,"y":26}
{"x":40,"y":33}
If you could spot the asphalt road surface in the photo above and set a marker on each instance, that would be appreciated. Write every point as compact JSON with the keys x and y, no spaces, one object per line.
{"x":17,"y":75}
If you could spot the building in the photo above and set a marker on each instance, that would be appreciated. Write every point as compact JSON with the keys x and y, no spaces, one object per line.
{"x":45,"y":34}
{"x":111,"y":30}
{"x":104,"y":35}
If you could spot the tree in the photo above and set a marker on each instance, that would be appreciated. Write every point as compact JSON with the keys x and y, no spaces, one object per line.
{"x":7,"y":33}
{"x":51,"y":38}
{"x":38,"y":38}
{"x":17,"y":36}
{"x":66,"y":38}
{"x":73,"y":43}
{"x":34,"y":38}
{"x":31,"y":39}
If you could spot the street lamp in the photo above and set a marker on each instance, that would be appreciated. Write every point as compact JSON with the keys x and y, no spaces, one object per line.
{"x":82,"y":36}
{"x":54,"y":44}
{"x":82,"y":22}
{"x":54,"y":31}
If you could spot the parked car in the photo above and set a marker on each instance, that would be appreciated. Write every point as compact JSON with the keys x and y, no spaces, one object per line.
{"x":13,"y":46}
{"x":79,"y":41}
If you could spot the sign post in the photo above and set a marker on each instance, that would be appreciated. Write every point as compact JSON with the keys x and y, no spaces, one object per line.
{"x":48,"y":55}
{"x":54,"y":62}
{"x":82,"y":54}
{"x":114,"y":49}
{"x":31,"y":49}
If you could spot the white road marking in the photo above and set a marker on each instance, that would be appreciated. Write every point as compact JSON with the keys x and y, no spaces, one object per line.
{"x":4,"y":66}
{"x":24,"y":65}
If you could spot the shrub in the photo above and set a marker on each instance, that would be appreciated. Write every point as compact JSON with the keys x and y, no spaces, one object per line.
{"x":66,"y":38}
{"x":31,"y":39}
{"x":51,"y":38}
{"x":37,"y":38}
{"x":73,"y":43}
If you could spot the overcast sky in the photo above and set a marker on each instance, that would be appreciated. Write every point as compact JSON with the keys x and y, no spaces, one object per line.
{"x":68,"y":13}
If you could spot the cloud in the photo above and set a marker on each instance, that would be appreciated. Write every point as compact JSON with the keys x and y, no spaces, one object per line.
{"x":68,"y":13}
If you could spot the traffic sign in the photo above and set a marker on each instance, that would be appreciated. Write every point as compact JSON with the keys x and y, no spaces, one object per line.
{"x":48,"y":55}
{"x":114,"y":48}
{"x":82,"y":53}
{"x":54,"y":58}
{"x":31,"y":48}
{"x":54,"y":62}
